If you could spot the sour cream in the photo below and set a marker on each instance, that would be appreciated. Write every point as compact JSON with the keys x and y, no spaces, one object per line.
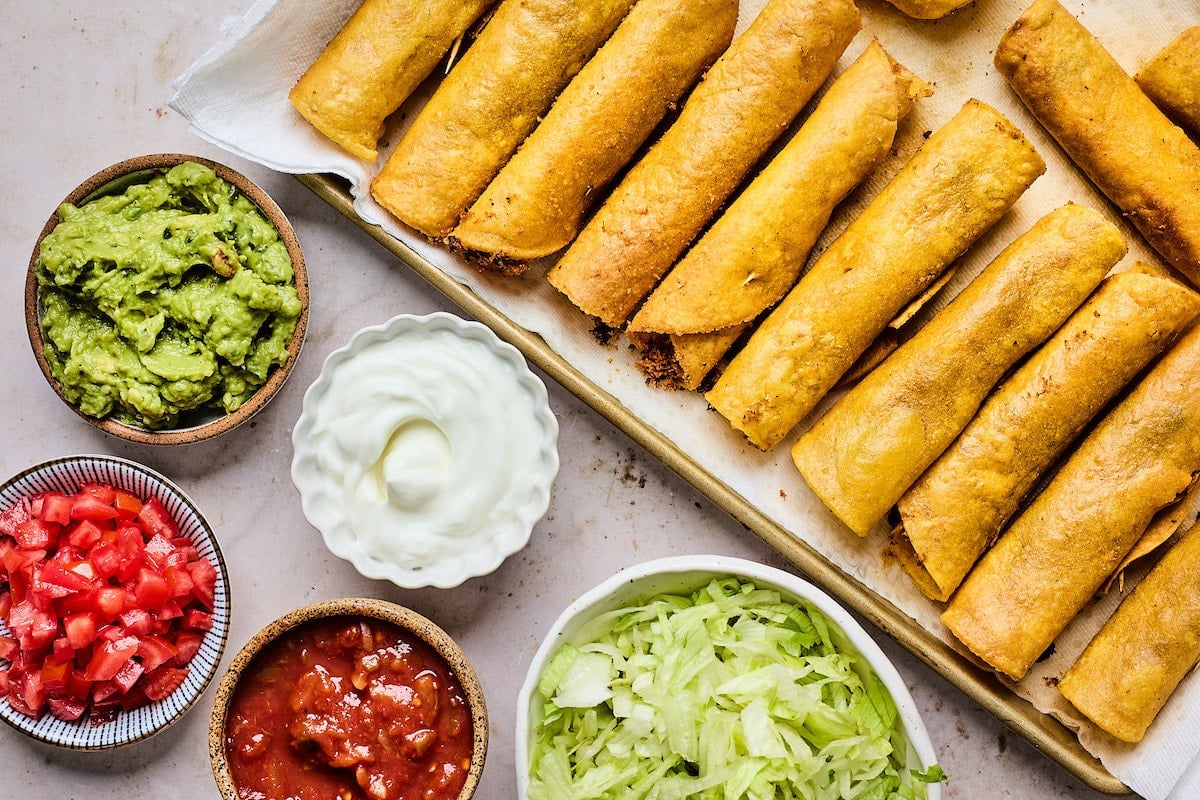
{"x":431,"y":440}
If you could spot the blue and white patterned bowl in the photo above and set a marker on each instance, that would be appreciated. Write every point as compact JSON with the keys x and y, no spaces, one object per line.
{"x":67,"y":475}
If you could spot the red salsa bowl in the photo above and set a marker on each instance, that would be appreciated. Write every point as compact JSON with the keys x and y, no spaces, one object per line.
{"x":358,"y":699}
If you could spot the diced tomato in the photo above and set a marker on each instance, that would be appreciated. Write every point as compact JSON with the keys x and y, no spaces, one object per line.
{"x":154,"y":651}
{"x":204,"y":575}
{"x":131,"y":548}
{"x":84,"y":533}
{"x":78,"y":686}
{"x":81,"y":629}
{"x":105,"y":558}
{"x":162,"y":681}
{"x":170,"y":611}
{"x":8,"y":647}
{"x":32,"y":692}
{"x":67,"y":709}
{"x":188,"y":643}
{"x":128,"y":505}
{"x":109,"y":657}
{"x":158,"y":550}
{"x":157,"y":519}
{"x":5,"y":604}
{"x":196,"y":620}
{"x":128,"y":675}
{"x":14,"y":515}
{"x":86,"y":506}
{"x":61,"y":651}
{"x":3,"y":680}
{"x":101,"y":491}
{"x":36,"y":534}
{"x":137,"y":622}
{"x":151,"y":591}
{"x":54,"y":677}
{"x":103,"y":690}
{"x":110,"y":601}
{"x":55,"y":507}
{"x":69,"y":579}
{"x":180,"y":582}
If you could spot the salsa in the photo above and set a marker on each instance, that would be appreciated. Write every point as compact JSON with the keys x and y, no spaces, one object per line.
{"x":349,"y":708}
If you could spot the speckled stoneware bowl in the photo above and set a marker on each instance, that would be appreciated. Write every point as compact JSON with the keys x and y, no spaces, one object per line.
{"x":685,"y":574}
{"x":200,"y":426}
{"x":402,"y":617}
{"x":67,"y":475}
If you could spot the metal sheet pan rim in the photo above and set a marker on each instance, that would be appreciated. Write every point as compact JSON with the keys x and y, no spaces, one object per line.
{"x":1046,"y":734}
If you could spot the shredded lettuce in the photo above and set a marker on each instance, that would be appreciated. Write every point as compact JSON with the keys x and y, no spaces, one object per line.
{"x":731,"y":692}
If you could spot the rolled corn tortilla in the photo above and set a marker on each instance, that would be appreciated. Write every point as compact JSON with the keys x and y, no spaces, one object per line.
{"x":1172,"y":79}
{"x":928,"y":9}
{"x":956,"y":509}
{"x":957,"y":185}
{"x":487,"y":105}
{"x":378,"y":58}
{"x":1054,"y":556}
{"x":746,"y":100}
{"x":1152,"y":641}
{"x":534,"y":206}
{"x":753,"y":253}
{"x":1145,"y":164}
{"x":878,"y":438}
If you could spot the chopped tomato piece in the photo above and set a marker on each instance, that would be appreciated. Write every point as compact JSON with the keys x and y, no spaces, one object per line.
{"x":109,"y":657}
{"x":162,"y":681}
{"x":154,"y":651}
{"x":81,"y":629}
{"x":157,"y":519}
{"x":67,"y":709}
{"x":137,"y":622}
{"x":55,"y":507}
{"x":180,"y":582}
{"x":158,"y":550}
{"x":84,"y":534}
{"x":86,"y":506}
{"x":188,"y":643}
{"x":36,"y":534}
{"x":105,"y":558}
{"x":14,"y":515}
{"x":128,"y":675}
{"x":151,"y":591}
{"x":68,"y":579}
{"x":110,"y":601}
{"x":204,"y":575}
{"x":196,"y":620}
{"x":128,"y":505}
{"x":8,"y":647}
{"x":54,"y":677}
{"x":101,"y":491}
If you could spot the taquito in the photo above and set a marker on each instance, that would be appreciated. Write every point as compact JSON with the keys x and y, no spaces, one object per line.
{"x":1151,"y":642}
{"x":487,"y":105}
{"x":928,"y":9}
{"x":746,"y":100}
{"x":534,"y":206}
{"x":1172,"y":79}
{"x":378,"y":58}
{"x":956,"y":509}
{"x":1054,"y":556}
{"x":960,"y":182}
{"x":1145,"y":164}
{"x":754,"y":252}
{"x":878,"y":438}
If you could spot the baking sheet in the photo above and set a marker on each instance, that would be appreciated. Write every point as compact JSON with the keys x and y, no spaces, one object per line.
{"x":235,"y":96}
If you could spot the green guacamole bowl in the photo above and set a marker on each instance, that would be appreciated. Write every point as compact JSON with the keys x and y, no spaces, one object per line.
{"x":166,"y":299}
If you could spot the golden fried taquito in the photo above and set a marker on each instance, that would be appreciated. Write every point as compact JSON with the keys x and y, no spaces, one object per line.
{"x":1152,"y":641}
{"x":488,"y":104}
{"x":928,"y":9}
{"x":1054,"y":556}
{"x":1145,"y":164}
{"x":378,"y":58}
{"x":956,"y":186}
{"x":1172,"y":79}
{"x":746,"y":100}
{"x":957,"y":507}
{"x":753,"y":253}
{"x":534,"y":206}
{"x":878,"y":438}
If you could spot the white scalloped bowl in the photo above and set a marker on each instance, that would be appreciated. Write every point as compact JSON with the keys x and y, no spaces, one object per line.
{"x":683,"y":575}
{"x":67,"y":475}
{"x":332,"y":477}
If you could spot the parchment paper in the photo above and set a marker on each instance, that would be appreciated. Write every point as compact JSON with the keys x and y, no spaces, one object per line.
{"x":236,"y":97}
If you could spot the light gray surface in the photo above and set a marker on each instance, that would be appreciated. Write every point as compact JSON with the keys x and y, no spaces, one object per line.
{"x":87,"y":85}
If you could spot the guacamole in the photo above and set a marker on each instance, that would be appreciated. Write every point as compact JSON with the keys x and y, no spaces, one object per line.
{"x":173,"y":296}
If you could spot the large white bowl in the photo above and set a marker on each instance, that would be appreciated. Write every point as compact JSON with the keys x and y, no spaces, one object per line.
{"x":683,"y":574}
{"x":321,"y":492}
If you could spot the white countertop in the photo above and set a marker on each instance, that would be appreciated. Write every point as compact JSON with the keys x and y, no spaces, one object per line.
{"x":87,"y":84}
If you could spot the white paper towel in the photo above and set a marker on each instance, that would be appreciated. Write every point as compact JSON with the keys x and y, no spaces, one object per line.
{"x":236,"y":97}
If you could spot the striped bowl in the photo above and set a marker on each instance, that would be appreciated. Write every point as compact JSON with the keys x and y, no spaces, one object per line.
{"x":67,"y":475}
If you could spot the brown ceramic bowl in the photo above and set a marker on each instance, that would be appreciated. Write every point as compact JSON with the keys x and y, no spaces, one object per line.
{"x":200,"y":425}
{"x":409,"y":621}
